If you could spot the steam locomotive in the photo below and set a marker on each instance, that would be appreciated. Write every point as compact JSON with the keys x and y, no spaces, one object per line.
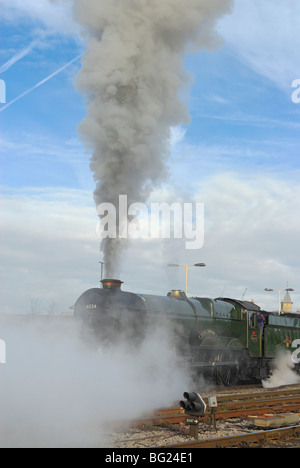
{"x":226,"y":339}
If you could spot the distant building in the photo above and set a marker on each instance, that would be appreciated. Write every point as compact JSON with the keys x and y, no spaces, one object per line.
{"x":287,"y":304}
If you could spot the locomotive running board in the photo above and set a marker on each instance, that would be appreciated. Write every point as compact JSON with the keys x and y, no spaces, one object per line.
{"x":214,"y":364}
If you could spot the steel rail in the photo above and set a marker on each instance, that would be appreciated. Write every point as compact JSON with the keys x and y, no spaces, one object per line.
{"x":225,"y":410}
{"x":260,"y":437}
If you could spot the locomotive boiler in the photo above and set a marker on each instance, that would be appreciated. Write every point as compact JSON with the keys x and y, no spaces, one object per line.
{"x":226,"y":339}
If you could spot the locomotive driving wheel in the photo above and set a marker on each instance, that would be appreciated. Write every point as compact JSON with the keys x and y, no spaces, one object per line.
{"x":229,"y":368}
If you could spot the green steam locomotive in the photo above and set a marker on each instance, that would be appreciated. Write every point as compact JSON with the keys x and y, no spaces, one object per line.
{"x":226,"y":339}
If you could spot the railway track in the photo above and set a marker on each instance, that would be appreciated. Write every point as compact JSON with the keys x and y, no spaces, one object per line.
{"x":287,"y":436}
{"x":166,"y":428}
{"x":234,"y":406}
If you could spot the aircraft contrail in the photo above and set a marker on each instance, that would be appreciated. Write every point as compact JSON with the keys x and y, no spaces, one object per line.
{"x":18,"y":56}
{"x":40,"y":83}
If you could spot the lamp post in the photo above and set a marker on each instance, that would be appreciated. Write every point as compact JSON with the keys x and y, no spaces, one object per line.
{"x":102,"y":268}
{"x":279,"y":291}
{"x":186,"y":270}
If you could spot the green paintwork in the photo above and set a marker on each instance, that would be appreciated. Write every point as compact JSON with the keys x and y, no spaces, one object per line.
{"x":214,"y":323}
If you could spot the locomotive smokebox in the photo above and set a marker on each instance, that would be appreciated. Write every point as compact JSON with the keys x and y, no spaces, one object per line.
{"x":111,"y":284}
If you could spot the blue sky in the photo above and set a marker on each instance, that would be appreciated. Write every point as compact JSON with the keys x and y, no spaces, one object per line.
{"x":239,"y":155}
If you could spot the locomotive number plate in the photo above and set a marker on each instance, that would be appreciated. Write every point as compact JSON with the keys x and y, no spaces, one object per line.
{"x":91,"y":306}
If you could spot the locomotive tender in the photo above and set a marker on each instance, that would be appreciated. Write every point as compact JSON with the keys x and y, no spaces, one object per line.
{"x":226,"y":339}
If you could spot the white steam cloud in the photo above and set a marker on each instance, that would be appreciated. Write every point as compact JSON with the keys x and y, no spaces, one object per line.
{"x":283,"y":373}
{"x":132,"y":73}
{"x":55,"y":392}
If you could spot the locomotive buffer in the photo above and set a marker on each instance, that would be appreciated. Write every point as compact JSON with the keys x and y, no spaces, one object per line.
{"x":194,"y":407}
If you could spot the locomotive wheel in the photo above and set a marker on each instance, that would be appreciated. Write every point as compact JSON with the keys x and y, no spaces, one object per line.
{"x":229,"y":369}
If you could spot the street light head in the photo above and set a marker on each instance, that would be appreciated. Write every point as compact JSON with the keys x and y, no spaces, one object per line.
{"x":186,"y":270}
{"x":268,"y":289}
{"x":290,"y":289}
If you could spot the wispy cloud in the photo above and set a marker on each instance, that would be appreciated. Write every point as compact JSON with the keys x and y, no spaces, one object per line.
{"x":218,"y":99}
{"x":265,"y":35}
{"x":25,"y":93}
{"x":177,"y":135}
{"x":251,"y":119}
{"x":54,"y":16}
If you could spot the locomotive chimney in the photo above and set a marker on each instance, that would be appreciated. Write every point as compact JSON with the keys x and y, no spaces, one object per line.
{"x":111,"y":284}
